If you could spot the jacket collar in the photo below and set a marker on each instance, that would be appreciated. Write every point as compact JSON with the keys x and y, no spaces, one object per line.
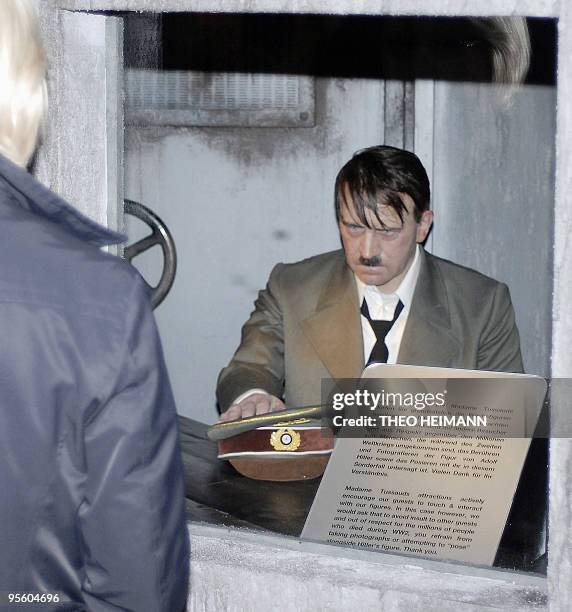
{"x":334,"y":329}
{"x":428,"y":338}
{"x":30,"y":194}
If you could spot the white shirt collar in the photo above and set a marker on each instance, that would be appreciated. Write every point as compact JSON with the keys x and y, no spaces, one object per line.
{"x":405,"y":290}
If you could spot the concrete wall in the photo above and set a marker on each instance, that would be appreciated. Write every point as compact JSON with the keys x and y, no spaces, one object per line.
{"x":238,"y":570}
{"x":493,"y":194}
{"x":547,"y":8}
{"x":82,"y":136}
{"x":560,"y":501}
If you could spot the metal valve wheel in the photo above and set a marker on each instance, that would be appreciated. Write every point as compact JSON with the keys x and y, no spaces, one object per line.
{"x":160,"y":235}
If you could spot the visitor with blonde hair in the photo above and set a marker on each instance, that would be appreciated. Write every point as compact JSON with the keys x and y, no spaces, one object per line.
{"x":91,"y":504}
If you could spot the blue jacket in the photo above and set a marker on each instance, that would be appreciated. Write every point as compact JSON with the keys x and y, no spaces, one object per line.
{"x":91,"y":486}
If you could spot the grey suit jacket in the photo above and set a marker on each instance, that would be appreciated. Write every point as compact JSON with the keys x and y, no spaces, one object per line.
{"x":306,"y":326}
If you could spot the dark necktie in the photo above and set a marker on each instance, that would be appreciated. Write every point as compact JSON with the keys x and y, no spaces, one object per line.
{"x":379,"y":352}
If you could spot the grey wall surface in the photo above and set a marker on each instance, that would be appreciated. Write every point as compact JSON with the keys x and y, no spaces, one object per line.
{"x":493,"y":194}
{"x":82,"y":136}
{"x":238,"y":201}
{"x":240,"y":570}
{"x":357,"y":7}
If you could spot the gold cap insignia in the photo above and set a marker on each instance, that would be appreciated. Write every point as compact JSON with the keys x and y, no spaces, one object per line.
{"x":285,"y":439}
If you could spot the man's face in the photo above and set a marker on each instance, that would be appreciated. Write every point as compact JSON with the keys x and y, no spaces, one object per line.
{"x":382,"y":253}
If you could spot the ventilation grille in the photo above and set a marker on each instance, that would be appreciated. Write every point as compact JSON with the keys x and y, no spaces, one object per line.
{"x":209,"y":98}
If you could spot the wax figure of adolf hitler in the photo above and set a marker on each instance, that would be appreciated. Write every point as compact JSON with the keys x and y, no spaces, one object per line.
{"x":381,"y":298}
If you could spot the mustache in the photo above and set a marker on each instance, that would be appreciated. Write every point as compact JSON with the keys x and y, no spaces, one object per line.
{"x":371,"y":262}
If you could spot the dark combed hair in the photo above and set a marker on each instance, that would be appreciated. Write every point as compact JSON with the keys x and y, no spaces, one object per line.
{"x":376,"y":176}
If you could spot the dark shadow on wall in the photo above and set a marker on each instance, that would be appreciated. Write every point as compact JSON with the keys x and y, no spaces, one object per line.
{"x":403,"y":48}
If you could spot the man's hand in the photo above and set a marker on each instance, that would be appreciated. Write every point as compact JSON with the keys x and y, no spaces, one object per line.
{"x":257,"y":403}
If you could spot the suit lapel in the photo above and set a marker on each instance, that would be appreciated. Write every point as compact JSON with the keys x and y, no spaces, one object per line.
{"x":334,"y":330}
{"x":428,"y":338}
